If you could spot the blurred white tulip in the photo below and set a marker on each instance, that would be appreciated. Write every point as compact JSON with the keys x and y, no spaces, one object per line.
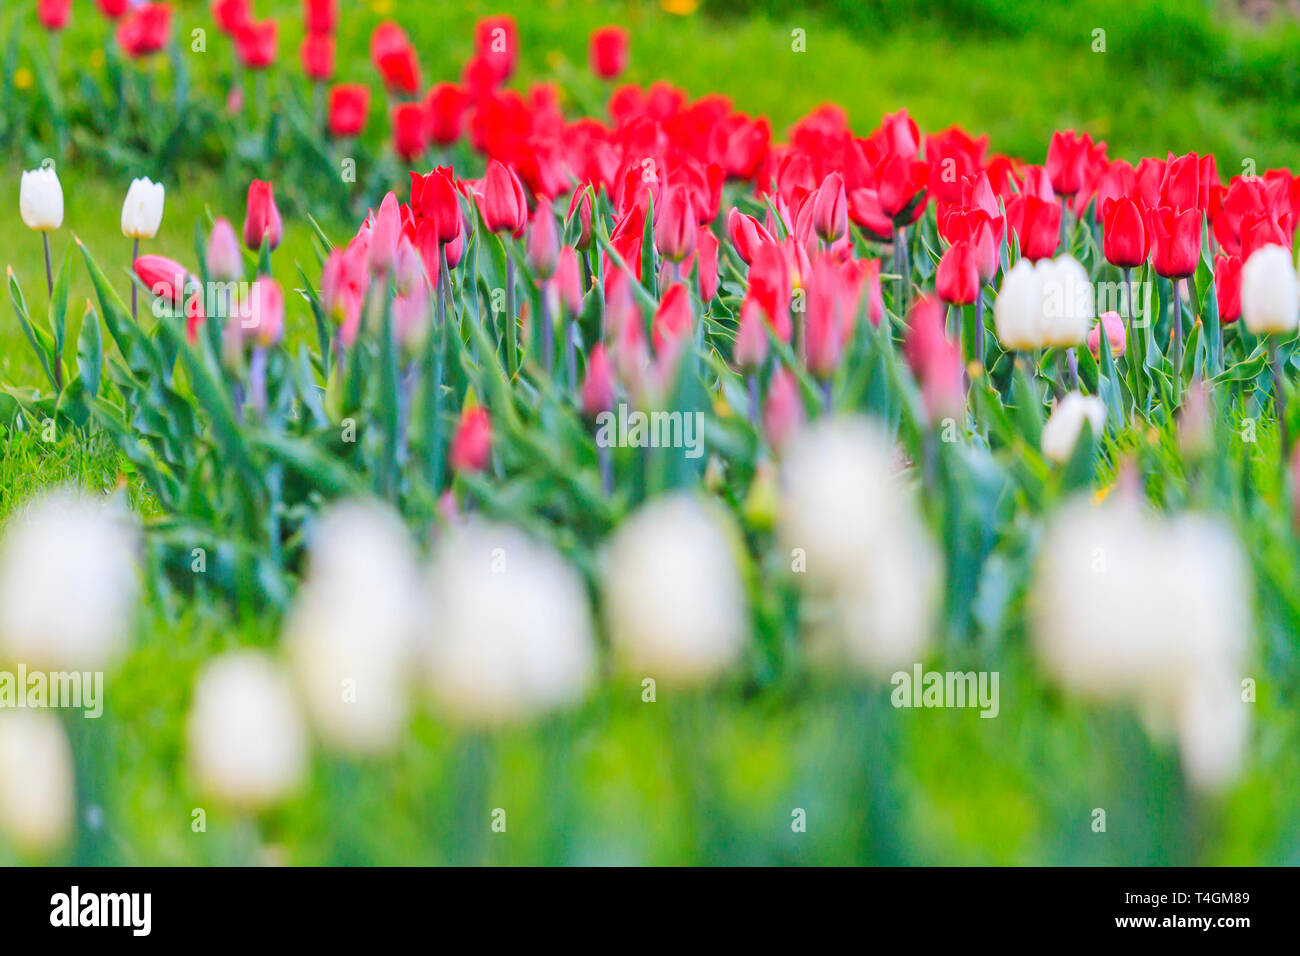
{"x":37,"y":793}
{"x":509,"y":631}
{"x":247,"y":742}
{"x":1269,"y":292}
{"x":1067,"y":302}
{"x":674,"y":599}
{"x":855,"y":534}
{"x":1061,"y":433}
{"x":68,"y":583}
{"x":1129,"y":606}
{"x":1018,"y":307}
{"x":40,"y":199}
{"x":350,"y":632}
{"x":142,"y":211}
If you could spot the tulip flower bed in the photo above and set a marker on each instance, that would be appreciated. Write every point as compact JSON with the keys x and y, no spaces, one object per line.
{"x":658,"y":488}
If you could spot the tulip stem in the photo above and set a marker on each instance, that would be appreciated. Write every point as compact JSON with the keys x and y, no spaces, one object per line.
{"x":979,"y":328}
{"x":1176,"y":317}
{"x":135,"y":290}
{"x":1279,"y":398}
{"x":49,"y":269}
{"x":1072,"y":365}
{"x":753,"y":401}
{"x":606,"y":469}
{"x":512,"y":358}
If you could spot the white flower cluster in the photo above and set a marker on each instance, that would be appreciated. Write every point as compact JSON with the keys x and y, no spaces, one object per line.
{"x":1046,"y":304}
{"x":1155,"y":611}
{"x":868,"y":557}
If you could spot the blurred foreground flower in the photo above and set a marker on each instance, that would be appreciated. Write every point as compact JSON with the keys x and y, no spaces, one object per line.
{"x":860,"y":543}
{"x":349,"y":635}
{"x":247,"y":743}
{"x":1152,"y":610}
{"x":674,"y":599}
{"x":37,"y":793}
{"x":1065,"y":425}
{"x":509,"y":631}
{"x":68,"y":583}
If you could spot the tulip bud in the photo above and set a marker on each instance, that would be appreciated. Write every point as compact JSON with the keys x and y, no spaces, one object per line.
{"x":1116,"y":337}
{"x":40,"y":199}
{"x":1064,"y":426}
{"x":262,"y":220}
{"x":608,"y":53}
{"x":445,"y":109}
{"x":598,"y":389}
{"x":746,"y":234}
{"x":783,"y":414}
{"x":165,"y":278}
{"x":53,"y":14}
{"x":317,"y":55}
{"x":222,"y":258}
{"x":37,"y":787}
{"x":706,"y":255}
{"x":568,"y":281}
{"x":408,"y":131}
{"x":580,"y":211}
{"x":542,"y":244}
{"x":1126,"y":242}
{"x":384,"y":232}
{"x":1227,"y":288}
{"x":674,"y":599}
{"x":674,"y":319}
{"x":1268,"y":292}
{"x":957,"y":280}
{"x":471,"y":445}
{"x":1177,"y":242}
{"x":830,"y":209}
{"x":750,"y":349}
{"x":505,"y":209}
{"x":247,"y":743}
{"x":142,"y":211}
{"x":263,"y":319}
{"x":674,"y":226}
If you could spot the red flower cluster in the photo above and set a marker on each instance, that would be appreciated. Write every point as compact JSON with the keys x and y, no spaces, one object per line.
{"x":321,"y":18}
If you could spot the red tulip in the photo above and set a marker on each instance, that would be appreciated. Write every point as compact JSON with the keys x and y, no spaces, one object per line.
{"x":770,"y":285}
{"x":445,"y":112}
{"x":830,"y":214}
{"x":434,"y":196}
{"x":865,"y":210}
{"x":321,"y":16}
{"x":349,"y":104}
{"x":318,"y":56}
{"x":113,"y":9}
{"x":783,"y":414}
{"x":828,"y":317}
{"x":408,"y":130}
{"x":934,"y":360}
{"x":1177,"y":241}
{"x":746,"y":234}
{"x":164,"y":277}
{"x":471,"y":445}
{"x":496,"y":40}
{"x":231,"y":15}
{"x":385,"y":231}
{"x":580,"y":209}
{"x":505,"y":207}
{"x":957,"y":280}
{"x":1037,"y":223}
{"x":608,"y":54}
{"x":400,"y":70}
{"x":53,"y":14}
{"x":567,"y":281}
{"x":1126,"y":243}
{"x":750,"y":348}
{"x":146,"y":30}
{"x":1068,"y":157}
{"x":598,"y":388}
{"x":901,"y":184}
{"x":674,"y":226}
{"x":983,"y":233}
{"x":542,"y":244}
{"x":1227,"y":288}
{"x":706,"y":256}
{"x":262,"y":219}
{"x":194,"y":317}
{"x":952,"y":156}
{"x":1181,"y":186}
{"x":256,"y":44}
{"x":674,"y":319}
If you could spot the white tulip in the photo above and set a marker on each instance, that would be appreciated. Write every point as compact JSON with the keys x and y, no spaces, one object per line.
{"x":142,"y":211}
{"x":1067,"y":302}
{"x":1213,"y":728}
{"x":1268,"y":292}
{"x":1061,"y":433}
{"x":509,"y":626}
{"x":862,"y":549}
{"x":674,"y":599}
{"x":40,"y":199}
{"x":37,"y":795}
{"x":1018,"y":307}
{"x":68,"y":583}
{"x":247,"y":742}
{"x":350,"y":632}
{"x":1127,"y":606}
